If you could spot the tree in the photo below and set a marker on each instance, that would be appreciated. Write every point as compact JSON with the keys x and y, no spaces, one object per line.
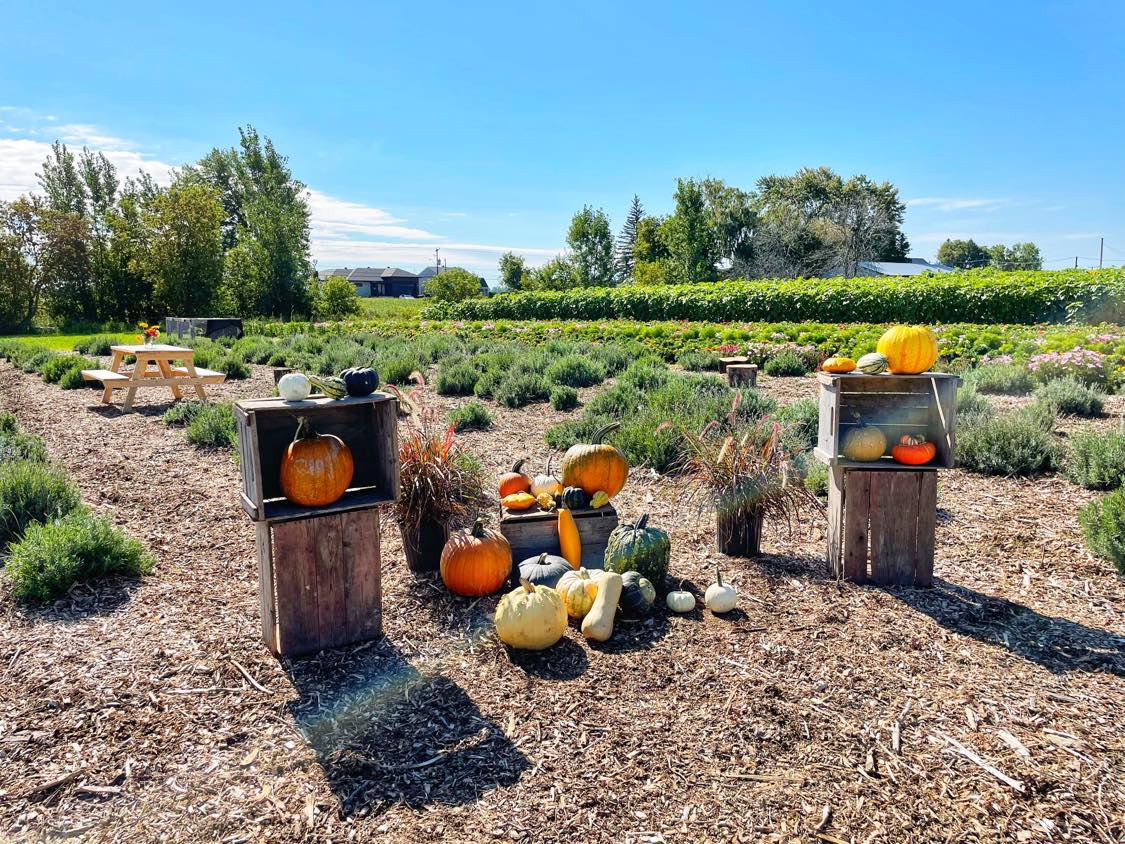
{"x":67,"y":266}
{"x":690,"y":236}
{"x":649,"y":246}
{"x":591,"y":248}
{"x":335,"y":299}
{"x":513,"y":270}
{"x":61,"y":182}
{"x":453,"y":285}
{"x":650,"y":272}
{"x":23,"y":284}
{"x":627,"y":241}
{"x":1018,"y":256}
{"x":556,"y":274}
{"x":183,"y":249}
{"x":123,"y":293}
{"x":965,"y":254}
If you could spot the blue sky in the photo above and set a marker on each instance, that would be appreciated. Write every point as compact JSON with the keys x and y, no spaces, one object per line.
{"x":481,"y":127}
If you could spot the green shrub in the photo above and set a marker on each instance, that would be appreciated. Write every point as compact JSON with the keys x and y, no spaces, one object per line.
{"x":613,"y":358}
{"x":698,"y":361}
{"x":1071,"y":397}
{"x":77,"y":548}
{"x":17,"y":445}
{"x":213,"y":427}
{"x":9,"y":424}
{"x":32,"y":492}
{"x":72,"y":378}
{"x":564,"y":397}
{"x":816,"y":477}
{"x":786,"y":364}
{"x":1017,"y":443}
{"x":1103,"y":525}
{"x":1096,"y":459}
{"x":519,"y":389}
{"x":182,"y":413}
{"x":97,"y":345}
{"x":616,"y":402}
{"x":488,"y":382}
{"x":469,"y":417}
{"x":234,"y":369}
{"x":1004,"y":378}
{"x":575,"y":371}
{"x":457,"y":379}
{"x":36,"y":362}
{"x":56,"y":367}
{"x":800,"y":421}
{"x":397,"y":369}
{"x":645,"y":373}
{"x":969,"y":401}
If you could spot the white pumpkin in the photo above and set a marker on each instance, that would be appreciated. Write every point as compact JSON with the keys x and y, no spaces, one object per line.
{"x":680,"y":601}
{"x":294,"y":386}
{"x":546,"y":483}
{"x":720,"y":597}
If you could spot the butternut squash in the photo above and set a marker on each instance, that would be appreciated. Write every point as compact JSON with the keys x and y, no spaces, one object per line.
{"x":570,"y":543}
{"x":598,"y":623}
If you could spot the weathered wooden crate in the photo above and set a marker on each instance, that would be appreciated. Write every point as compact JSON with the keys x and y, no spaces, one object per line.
{"x":896,"y":404}
{"x":369,"y":426}
{"x":537,"y":532}
{"x":210,"y":327}
{"x":320,"y":581}
{"x":881,"y":525}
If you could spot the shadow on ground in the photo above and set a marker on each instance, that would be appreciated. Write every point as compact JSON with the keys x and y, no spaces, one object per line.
{"x":386,"y":734}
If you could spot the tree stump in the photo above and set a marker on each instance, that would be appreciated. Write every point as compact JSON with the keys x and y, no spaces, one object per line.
{"x":280,"y":372}
{"x":742,"y":374}
{"x":725,"y":362}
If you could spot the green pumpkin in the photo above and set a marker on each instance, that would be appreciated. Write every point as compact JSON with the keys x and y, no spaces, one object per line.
{"x":639,"y":548}
{"x":575,"y":498}
{"x":637,"y":594}
{"x":544,"y":570}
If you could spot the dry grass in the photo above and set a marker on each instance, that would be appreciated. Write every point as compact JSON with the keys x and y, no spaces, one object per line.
{"x":816,"y":709}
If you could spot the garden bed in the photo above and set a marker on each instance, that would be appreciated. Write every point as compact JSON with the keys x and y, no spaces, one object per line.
{"x":134,"y":711}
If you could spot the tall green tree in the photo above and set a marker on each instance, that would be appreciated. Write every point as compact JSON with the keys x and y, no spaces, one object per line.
{"x":123,"y":292}
{"x":62,"y":182}
{"x":627,"y":241}
{"x":591,"y":248}
{"x":23,"y":282}
{"x":690,"y":235}
{"x":67,"y":265}
{"x":453,"y":284}
{"x":335,"y":298}
{"x":733,"y":220}
{"x":183,"y":249}
{"x":965,"y":254}
{"x":513,"y":270}
{"x":556,"y":274}
{"x":1018,"y":256}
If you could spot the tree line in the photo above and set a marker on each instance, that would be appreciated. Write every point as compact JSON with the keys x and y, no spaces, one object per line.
{"x":967,"y":255}
{"x":229,"y":235}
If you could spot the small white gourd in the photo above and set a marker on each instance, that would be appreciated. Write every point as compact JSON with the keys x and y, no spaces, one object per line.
{"x":294,"y":386}
{"x":680,"y":601}
{"x":546,"y":483}
{"x":720,"y":597}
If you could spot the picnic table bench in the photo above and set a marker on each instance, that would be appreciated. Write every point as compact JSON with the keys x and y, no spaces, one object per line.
{"x":163,"y":374}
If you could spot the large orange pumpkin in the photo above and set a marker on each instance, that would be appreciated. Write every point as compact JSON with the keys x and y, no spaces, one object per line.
{"x":909,"y":349}
{"x":596,"y":466}
{"x":514,"y":481}
{"x":477,"y":562}
{"x":914,"y":450}
{"x":316,"y":469}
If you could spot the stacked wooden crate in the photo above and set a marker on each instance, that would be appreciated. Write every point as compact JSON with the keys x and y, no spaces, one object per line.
{"x":881,"y":513}
{"x":318,"y":567}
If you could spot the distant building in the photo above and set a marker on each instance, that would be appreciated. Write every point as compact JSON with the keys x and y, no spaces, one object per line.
{"x":911,"y":266}
{"x":389,"y":281}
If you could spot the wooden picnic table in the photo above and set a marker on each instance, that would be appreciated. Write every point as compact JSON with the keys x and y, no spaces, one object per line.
{"x":160,"y":357}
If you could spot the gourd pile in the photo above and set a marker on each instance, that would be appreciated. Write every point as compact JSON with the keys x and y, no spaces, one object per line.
{"x":902,"y":350}
{"x":554,"y":588}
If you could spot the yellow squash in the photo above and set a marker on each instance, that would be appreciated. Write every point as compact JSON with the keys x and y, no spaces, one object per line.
{"x":570,"y":543}
{"x":909,"y":349}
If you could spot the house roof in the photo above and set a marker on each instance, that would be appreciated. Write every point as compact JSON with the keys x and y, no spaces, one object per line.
{"x":396,"y":272}
{"x":428,"y":272}
{"x":915,"y":266}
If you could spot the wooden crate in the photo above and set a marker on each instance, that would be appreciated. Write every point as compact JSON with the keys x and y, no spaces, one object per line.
{"x":369,"y":426}
{"x":536,"y":532}
{"x":319,"y":581}
{"x":881,"y":525}
{"x":896,"y":404}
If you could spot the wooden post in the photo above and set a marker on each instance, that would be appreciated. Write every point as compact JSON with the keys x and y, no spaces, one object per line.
{"x":742,"y":374}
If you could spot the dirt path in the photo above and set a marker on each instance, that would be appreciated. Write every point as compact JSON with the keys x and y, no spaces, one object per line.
{"x":696,"y":727}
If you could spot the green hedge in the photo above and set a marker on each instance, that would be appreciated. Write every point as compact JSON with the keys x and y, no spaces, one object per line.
{"x":979,"y":296}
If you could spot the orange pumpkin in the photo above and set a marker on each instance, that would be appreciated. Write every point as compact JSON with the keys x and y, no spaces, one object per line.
{"x":477,"y":562}
{"x":913,"y":450}
{"x":316,"y":469}
{"x":514,"y":481}
{"x":596,"y":466}
{"x":909,"y":349}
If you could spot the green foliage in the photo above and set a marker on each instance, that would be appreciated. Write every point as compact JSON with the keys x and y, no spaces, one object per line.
{"x":977,"y":296}
{"x":1004,"y":378}
{"x":488,"y":383}
{"x":564,"y":397}
{"x":800,"y":422}
{"x":470,"y":417}
{"x":698,"y":361}
{"x":521,"y":388}
{"x":457,"y":378}
{"x":234,"y":369}
{"x":395,"y":368}
{"x":183,"y":412}
{"x":55,"y":367}
{"x":97,"y":345}
{"x":816,"y":478}
{"x":453,"y":285}
{"x":35,"y":362}
{"x":1071,"y":397}
{"x":591,"y":248}
{"x":965,"y":254}
{"x":645,"y":373}
{"x":1097,"y":459}
{"x":970,"y":401}
{"x":786,"y":364}
{"x":575,"y":371}
{"x":1103,"y":524}
{"x":32,"y":491}
{"x":72,"y":379}
{"x":77,"y":548}
{"x":512,"y":271}
{"x":213,"y":427}
{"x":336,"y":298}
{"x":17,"y":445}
{"x":1019,"y":443}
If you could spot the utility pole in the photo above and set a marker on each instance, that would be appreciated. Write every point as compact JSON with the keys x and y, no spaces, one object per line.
{"x":1101,"y":253}
{"x":1075,"y":262}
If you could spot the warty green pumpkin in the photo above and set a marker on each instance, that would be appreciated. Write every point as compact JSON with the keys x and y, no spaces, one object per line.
{"x":640,"y":548}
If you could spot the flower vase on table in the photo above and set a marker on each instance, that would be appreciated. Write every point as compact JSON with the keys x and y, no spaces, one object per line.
{"x":149,"y":333}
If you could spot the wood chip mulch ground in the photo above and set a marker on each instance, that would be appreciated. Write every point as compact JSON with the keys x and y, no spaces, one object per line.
{"x":988,"y":708}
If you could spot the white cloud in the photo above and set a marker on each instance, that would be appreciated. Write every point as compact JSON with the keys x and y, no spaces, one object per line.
{"x":350,"y":253}
{"x":948,"y":203}
{"x":1082,"y":236}
{"x":21,"y":160}
{"x":979,"y":237}
{"x":334,"y":218}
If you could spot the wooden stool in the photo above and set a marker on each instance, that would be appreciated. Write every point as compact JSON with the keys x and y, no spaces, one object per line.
{"x":742,"y":374}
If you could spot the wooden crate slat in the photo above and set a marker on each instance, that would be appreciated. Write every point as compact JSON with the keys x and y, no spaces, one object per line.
{"x":835,"y":522}
{"x":927,"y":524}
{"x":266,"y":599}
{"x":294,"y":571}
{"x":534,"y":533}
{"x":856,"y":501}
{"x":363,"y":577}
{"x":331,"y":599}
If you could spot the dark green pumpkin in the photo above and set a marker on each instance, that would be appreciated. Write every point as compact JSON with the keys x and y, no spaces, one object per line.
{"x":639,"y":548}
{"x":637,"y":594}
{"x":575,"y":498}
{"x":544,"y":570}
{"x":360,"y":380}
